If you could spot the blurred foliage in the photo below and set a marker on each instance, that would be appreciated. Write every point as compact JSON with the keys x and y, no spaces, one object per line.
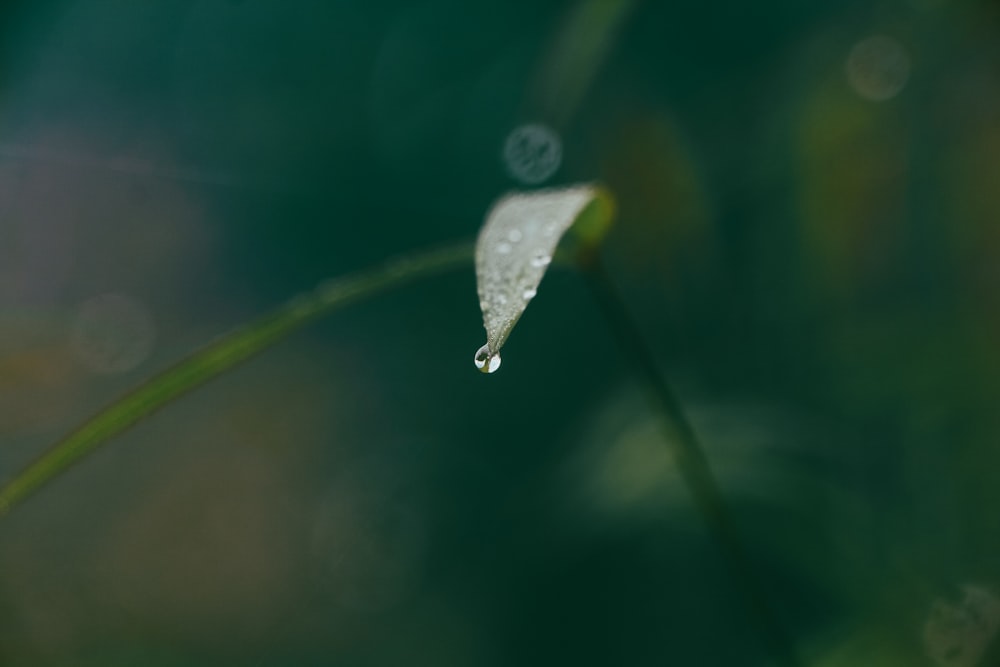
{"x":808,"y":237}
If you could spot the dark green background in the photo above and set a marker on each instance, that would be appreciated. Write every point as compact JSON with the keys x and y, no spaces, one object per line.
{"x":815,"y":271}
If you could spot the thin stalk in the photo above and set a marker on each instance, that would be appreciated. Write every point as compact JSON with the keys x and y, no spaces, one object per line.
{"x":222,"y":355}
{"x":690,"y":459}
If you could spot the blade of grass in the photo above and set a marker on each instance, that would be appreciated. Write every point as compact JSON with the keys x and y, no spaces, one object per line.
{"x":222,"y":355}
{"x":689,"y":456}
{"x":577,"y":52}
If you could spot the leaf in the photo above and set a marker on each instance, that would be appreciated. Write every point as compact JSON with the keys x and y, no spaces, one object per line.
{"x":515,"y":248}
{"x":219,"y":357}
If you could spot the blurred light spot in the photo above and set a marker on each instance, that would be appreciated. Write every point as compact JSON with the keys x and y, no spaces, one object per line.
{"x":877,"y":68}
{"x":633,"y":470}
{"x":112,"y":333}
{"x":958,"y":635}
{"x":532,"y":153}
{"x":626,"y":470}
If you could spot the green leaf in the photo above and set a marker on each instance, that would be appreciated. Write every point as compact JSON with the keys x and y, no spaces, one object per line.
{"x":516,"y":246}
{"x":220,"y":356}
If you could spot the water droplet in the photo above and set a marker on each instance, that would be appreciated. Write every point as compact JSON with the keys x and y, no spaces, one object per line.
{"x":514,"y":235}
{"x":502,"y":299}
{"x":530,"y":293}
{"x":541,"y":260}
{"x":503,"y":248}
{"x":486,"y":362}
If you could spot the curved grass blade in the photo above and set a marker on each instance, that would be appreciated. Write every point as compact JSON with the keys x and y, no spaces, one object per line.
{"x":691,"y":461}
{"x":220,"y":356}
{"x":515,"y":248}
{"x":579,"y":49}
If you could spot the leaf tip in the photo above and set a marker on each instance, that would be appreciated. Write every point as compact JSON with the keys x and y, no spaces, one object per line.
{"x":595,"y":220}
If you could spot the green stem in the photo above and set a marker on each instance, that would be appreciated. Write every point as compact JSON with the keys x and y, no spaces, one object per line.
{"x":690,"y":458}
{"x":222,"y":355}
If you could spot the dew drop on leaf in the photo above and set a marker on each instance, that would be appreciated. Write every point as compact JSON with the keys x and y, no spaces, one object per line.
{"x":541,"y":259}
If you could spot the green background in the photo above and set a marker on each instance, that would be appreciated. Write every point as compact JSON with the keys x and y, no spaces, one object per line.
{"x":815,"y":270}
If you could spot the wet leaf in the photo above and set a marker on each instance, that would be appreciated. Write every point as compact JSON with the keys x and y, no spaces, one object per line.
{"x":515,"y":248}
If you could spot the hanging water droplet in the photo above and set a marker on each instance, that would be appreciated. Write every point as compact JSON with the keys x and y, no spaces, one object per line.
{"x":541,"y":260}
{"x":503,"y":248}
{"x":486,"y":362}
{"x":514,"y":235}
{"x":530,"y":293}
